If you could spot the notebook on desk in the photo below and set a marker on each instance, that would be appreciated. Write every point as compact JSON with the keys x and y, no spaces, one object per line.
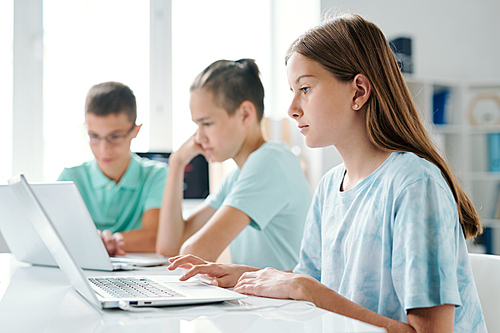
{"x":64,"y":205}
{"x":113,"y":291}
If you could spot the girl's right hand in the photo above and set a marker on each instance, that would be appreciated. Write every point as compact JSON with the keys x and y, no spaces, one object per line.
{"x":222,"y":275}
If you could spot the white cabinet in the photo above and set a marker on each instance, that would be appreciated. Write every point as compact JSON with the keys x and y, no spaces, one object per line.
{"x":469,"y":137}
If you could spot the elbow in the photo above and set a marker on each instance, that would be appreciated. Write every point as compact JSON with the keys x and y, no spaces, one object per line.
{"x":196,"y":250}
{"x":186,"y":248}
{"x":165,"y":249}
{"x":159,"y":250}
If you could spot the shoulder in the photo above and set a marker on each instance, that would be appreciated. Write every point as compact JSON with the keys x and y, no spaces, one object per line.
{"x":405,"y":169}
{"x":272,"y":153}
{"x":78,"y":171}
{"x":274,"y":148}
{"x":150,"y":167}
{"x":409,"y":167}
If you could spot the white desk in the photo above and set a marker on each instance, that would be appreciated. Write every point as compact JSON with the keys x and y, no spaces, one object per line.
{"x":39,"y":299}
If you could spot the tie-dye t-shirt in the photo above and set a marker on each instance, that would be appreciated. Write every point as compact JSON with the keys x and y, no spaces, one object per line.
{"x":392,"y":243}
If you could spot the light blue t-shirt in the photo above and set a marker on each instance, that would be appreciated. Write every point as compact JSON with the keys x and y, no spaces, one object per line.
{"x":272,"y":190}
{"x":392,"y":243}
{"x":119,"y":207}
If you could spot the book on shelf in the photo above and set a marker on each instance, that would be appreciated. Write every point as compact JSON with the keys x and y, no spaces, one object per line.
{"x":495,"y":214}
{"x":493,"y":152}
{"x":440,"y":106}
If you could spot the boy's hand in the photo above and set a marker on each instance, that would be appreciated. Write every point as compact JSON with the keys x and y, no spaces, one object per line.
{"x":113,"y":242}
{"x":189,"y":150}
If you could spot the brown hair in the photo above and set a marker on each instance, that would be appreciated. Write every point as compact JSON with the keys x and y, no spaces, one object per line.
{"x":231,"y":83}
{"x":349,"y":45}
{"x":111,"y":98}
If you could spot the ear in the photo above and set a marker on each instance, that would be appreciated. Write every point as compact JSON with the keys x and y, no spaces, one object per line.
{"x":136,"y":131}
{"x":248,"y":112}
{"x":363,"y":89}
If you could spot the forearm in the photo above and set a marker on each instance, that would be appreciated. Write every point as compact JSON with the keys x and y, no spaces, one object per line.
{"x":171,"y":229}
{"x":308,"y":289}
{"x":199,"y":249}
{"x":214,"y":236}
{"x":139,"y":240}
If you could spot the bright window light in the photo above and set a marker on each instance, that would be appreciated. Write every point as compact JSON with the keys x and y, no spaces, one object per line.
{"x":88,"y":42}
{"x":206,"y":31}
{"x":6,"y":57}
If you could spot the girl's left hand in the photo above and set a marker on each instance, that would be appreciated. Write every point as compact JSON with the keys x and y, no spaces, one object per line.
{"x":269,"y":282}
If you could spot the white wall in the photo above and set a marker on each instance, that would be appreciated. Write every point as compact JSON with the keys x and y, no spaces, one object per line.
{"x":451,"y":38}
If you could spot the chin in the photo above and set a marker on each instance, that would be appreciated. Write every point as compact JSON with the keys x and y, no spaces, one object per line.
{"x":215,"y":159}
{"x":313,"y":144}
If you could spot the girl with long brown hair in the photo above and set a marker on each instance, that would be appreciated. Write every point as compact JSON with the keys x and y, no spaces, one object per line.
{"x":384,"y":240}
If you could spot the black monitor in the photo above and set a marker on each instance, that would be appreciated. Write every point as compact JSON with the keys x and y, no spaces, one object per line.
{"x":196,"y":184}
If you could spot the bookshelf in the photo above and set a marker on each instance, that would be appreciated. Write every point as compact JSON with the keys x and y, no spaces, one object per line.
{"x":463,"y":118}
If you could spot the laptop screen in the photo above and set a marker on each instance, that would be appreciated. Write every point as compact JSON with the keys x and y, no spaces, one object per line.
{"x":196,"y":183}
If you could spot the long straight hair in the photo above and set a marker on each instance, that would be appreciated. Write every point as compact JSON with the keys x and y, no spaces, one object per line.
{"x":348,"y":45}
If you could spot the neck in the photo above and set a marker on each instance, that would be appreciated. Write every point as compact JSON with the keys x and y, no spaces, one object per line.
{"x":361,"y":164}
{"x":252,"y":142}
{"x":360,"y":156}
{"x":117,"y":173}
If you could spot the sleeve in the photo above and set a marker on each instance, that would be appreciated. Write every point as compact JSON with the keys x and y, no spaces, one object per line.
{"x":261,"y":191}
{"x":425,"y":245}
{"x":311,"y":248}
{"x":64,"y":176}
{"x":157,"y":185}
{"x":216,"y":199}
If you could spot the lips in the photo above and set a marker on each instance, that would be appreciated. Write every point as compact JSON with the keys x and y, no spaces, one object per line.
{"x":302,"y":128}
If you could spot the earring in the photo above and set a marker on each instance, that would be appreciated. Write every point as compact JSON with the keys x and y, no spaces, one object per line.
{"x":355,"y":106}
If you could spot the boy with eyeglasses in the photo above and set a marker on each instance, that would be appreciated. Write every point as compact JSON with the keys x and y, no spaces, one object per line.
{"x":122,"y":191}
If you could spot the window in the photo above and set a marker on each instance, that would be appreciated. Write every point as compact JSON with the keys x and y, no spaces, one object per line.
{"x":88,"y":42}
{"x":206,"y":31}
{"x":6,"y":54}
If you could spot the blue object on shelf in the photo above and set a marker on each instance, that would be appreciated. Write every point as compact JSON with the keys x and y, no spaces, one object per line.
{"x":494,"y":152}
{"x":487,"y":237}
{"x":439,"y":106}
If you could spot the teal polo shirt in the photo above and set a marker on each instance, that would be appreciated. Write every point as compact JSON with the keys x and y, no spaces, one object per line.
{"x":119,"y":207}
{"x":272,"y":190}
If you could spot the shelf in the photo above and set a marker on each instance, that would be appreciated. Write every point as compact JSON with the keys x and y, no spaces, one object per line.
{"x":484,"y":176}
{"x":491,"y":223}
{"x":448,"y":129}
{"x":467,"y":147}
{"x":483,"y":129}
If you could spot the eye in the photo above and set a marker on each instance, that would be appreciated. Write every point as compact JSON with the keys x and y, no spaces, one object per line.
{"x":114,"y":137}
{"x":207,"y":124}
{"x":305,"y":89}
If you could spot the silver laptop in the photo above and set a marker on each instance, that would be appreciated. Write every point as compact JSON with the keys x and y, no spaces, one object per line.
{"x":114,"y":291}
{"x":65,"y":207}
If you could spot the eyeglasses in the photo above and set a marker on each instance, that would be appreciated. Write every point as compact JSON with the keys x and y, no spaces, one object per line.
{"x":114,"y":139}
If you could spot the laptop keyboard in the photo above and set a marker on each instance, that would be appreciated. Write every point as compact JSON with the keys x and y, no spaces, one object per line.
{"x":121,"y":287}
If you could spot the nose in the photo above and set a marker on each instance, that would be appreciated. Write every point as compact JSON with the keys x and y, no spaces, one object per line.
{"x":294,"y":111}
{"x":200,"y":135}
{"x":104,"y":145}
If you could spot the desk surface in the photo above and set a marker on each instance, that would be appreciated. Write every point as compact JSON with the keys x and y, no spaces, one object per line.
{"x":40,"y":299}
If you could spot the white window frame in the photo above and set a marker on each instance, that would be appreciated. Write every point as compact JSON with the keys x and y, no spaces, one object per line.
{"x":27,"y":119}
{"x":28,"y":136}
